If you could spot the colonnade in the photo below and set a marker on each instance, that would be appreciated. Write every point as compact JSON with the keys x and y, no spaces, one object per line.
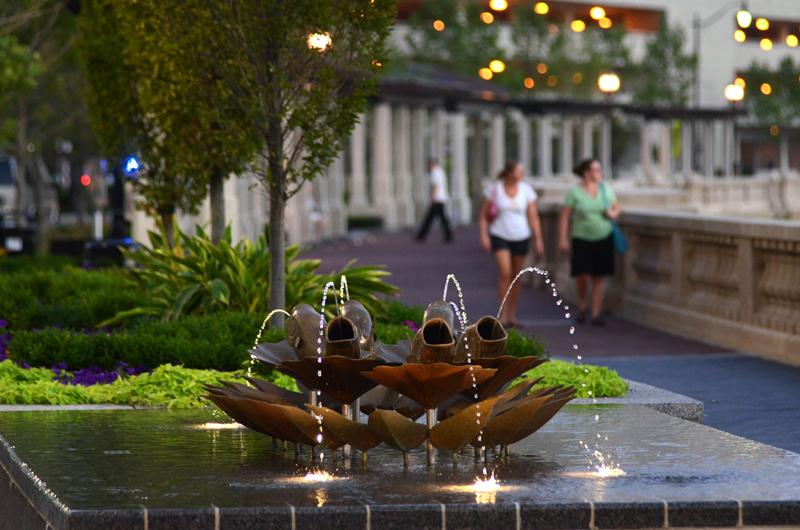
{"x":380,"y":178}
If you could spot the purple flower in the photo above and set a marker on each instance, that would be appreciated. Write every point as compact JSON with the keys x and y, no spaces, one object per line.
{"x":412,"y":325}
{"x":3,"y":323}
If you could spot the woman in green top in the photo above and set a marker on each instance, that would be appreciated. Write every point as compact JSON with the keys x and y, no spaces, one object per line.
{"x":589,"y":209}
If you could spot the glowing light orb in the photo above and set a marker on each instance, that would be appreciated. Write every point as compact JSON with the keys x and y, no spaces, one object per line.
{"x":528,"y":83}
{"x":487,"y":18}
{"x":766,"y":44}
{"x":739,"y":36}
{"x":485,"y":73}
{"x":577,"y":25}
{"x":438,"y":25}
{"x":765,"y":89}
{"x":131,"y":166}
{"x":744,"y":18}
{"x":498,"y":5}
{"x":541,"y":8}
{"x":319,"y":41}
{"x":608,"y":83}
{"x":497,"y":66}
{"x":605,"y":23}
{"x":762,"y":24}
{"x":792,"y":41}
{"x":597,"y":12}
{"x":734,"y":92}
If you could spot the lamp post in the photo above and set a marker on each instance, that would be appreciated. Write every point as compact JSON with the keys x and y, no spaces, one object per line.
{"x":609,"y":84}
{"x":734,"y":93}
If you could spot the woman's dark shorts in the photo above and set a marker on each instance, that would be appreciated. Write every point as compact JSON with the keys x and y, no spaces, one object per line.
{"x":595,"y":258}
{"x":517,"y":248}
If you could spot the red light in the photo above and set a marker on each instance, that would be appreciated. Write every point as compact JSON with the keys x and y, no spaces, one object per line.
{"x":85,"y":180}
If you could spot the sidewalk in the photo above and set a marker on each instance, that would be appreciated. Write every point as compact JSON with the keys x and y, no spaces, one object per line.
{"x":420,"y":269}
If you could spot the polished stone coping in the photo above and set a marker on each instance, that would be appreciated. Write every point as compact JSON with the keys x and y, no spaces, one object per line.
{"x":655,"y":398}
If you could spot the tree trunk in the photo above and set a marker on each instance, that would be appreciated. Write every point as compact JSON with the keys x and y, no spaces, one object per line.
{"x":42,"y":215}
{"x":167,"y":218}
{"x":22,"y":161}
{"x":277,"y":251}
{"x":217,"y":203}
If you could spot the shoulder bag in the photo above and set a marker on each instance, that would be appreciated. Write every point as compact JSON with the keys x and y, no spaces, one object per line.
{"x":617,"y":237}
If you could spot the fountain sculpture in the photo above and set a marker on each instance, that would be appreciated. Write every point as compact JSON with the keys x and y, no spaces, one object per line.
{"x":461,"y":382}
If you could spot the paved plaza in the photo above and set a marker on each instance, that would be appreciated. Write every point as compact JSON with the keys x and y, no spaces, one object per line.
{"x":742,"y":394}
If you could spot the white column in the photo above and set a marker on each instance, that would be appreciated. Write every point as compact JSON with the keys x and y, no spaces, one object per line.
{"x":336,"y":221}
{"x":462,"y":207}
{"x":686,"y":148}
{"x":587,"y":138}
{"x":605,"y":145}
{"x":439,"y":135}
{"x":524,"y":141}
{"x":385,"y":202}
{"x":421,"y":188}
{"x":358,"y":166}
{"x":783,"y":153}
{"x":665,"y":149}
{"x":567,"y":159}
{"x":477,"y":157}
{"x":497,"y":143}
{"x":646,"y":157}
{"x":545,"y":146}
{"x":402,"y":166}
{"x":708,"y":149}
{"x":730,"y":148}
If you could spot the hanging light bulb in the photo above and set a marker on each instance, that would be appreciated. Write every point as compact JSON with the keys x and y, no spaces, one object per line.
{"x":541,"y":8}
{"x":744,"y":18}
{"x":597,"y":12}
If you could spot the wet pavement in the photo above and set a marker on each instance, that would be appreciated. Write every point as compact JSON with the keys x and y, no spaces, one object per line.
{"x":744,"y":395}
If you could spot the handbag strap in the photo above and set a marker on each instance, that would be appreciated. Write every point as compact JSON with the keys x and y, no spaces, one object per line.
{"x":604,"y":195}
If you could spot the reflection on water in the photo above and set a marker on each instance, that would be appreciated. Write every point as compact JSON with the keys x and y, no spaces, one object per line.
{"x":126,"y":458}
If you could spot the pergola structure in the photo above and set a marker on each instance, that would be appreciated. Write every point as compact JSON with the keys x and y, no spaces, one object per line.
{"x":472,"y":128}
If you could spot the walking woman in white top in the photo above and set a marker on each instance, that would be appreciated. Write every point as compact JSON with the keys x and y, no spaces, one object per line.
{"x":507,"y":221}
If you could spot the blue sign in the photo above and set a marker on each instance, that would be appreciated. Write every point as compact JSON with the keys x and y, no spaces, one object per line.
{"x":131,"y":166}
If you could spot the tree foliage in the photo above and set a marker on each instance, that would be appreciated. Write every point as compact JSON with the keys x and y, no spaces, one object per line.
{"x":781,"y":104}
{"x":120,"y":101}
{"x":300,"y":100}
{"x":666,"y":73}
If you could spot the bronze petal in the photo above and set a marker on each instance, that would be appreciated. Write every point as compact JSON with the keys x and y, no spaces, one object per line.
{"x":342,"y":377}
{"x":356,"y":434}
{"x":428,"y":384}
{"x":396,"y":430}
{"x":457,"y":431}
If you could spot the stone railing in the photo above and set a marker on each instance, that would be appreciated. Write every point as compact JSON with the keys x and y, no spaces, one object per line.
{"x":727,"y":281}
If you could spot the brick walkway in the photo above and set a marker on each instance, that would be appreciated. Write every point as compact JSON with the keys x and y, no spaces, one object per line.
{"x":743,"y":395}
{"x":420,"y":270}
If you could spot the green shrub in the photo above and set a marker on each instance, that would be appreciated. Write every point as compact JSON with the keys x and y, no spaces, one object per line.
{"x":12,"y":264}
{"x":195,"y":276}
{"x":398,"y":313}
{"x":588,"y":380}
{"x":71,"y":298}
{"x":218,"y":342}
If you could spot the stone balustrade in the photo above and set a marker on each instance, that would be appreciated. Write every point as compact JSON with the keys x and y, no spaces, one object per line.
{"x":727,"y":281}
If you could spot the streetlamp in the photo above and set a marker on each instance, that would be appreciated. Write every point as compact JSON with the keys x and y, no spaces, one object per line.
{"x":734,"y":93}
{"x":608,"y":83}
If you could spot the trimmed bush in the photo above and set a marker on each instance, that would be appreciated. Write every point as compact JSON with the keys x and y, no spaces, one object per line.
{"x":71,"y":298}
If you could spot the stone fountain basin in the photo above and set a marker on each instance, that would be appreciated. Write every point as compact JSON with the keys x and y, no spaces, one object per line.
{"x":116,"y":468}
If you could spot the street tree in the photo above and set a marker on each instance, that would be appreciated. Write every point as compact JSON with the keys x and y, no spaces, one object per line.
{"x":180,"y":91}
{"x":301,"y":72}
{"x":118,"y":115}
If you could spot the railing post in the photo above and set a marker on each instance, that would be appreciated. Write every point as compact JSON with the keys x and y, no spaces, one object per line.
{"x":746,"y":273}
{"x":677,"y":277}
